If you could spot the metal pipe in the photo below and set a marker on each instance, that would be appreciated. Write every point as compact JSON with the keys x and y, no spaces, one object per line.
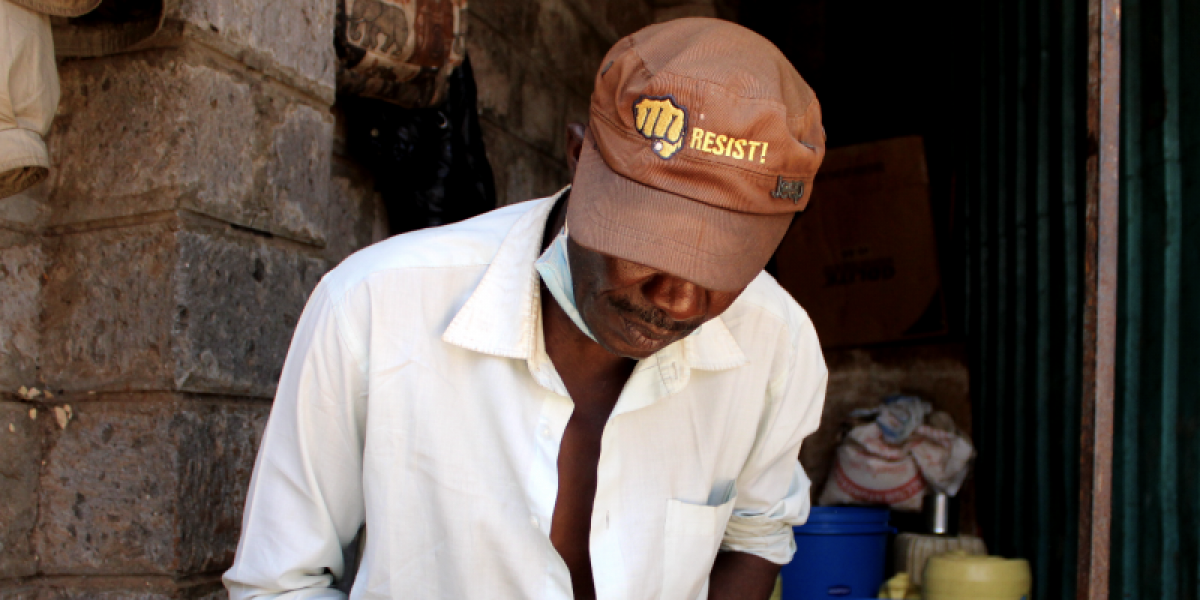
{"x":1100,"y":276}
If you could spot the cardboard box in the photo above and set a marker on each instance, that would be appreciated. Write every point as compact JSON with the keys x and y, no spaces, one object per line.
{"x":862,"y":259}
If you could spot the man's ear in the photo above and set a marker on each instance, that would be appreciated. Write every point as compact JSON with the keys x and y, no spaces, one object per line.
{"x":575,"y":133}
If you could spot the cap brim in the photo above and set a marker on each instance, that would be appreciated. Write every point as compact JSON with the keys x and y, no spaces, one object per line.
{"x":713,"y":247}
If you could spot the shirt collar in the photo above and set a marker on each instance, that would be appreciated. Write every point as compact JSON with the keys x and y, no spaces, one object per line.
{"x":501,"y":316}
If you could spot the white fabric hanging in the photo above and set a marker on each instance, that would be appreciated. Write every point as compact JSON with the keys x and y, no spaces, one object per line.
{"x":28,"y":97}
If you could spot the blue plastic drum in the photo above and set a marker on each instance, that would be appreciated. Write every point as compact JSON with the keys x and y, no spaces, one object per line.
{"x":839,"y":554}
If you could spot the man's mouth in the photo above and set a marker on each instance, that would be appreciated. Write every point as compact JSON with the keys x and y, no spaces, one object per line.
{"x":646,"y":336}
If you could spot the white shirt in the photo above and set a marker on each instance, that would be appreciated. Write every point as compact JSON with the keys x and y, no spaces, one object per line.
{"x":417,"y":395}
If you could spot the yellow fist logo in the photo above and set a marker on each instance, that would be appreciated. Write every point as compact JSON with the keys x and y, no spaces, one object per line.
{"x":663,"y":122}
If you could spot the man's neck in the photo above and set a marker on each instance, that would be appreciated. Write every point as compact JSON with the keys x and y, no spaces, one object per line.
{"x":556,"y":220}
{"x":580,"y":361}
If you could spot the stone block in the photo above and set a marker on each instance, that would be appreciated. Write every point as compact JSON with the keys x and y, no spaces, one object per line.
{"x":124,"y":588}
{"x":614,"y":19}
{"x":215,"y":451}
{"x":27,"y":211}
{"x":21,"y":269}
{"x":628,"y":16}
{"x":498,"y":72}
{"x":543,"y":103}
{"x":514,"y":19}
{"x":694,"y":9}
{"x":146,"y":487}
{"x":20,"y":592}
{"x":20,"y":445}
{"x":572,"y":48}
{"x":108,"y":309}
{"x":357,"y":217}
{"x":296,"y":37}
{"x":145,"y":133}
{"x":521,"y":171}
{"x":576,"y":109}
{"x":138,"y":134}
{"x":294,"y":186}
{"x":236,"y":304}
{"x":172,"y":306}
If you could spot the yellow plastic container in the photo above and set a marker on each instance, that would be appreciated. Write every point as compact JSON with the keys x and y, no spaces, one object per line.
{"x":899,"y":588}
{"x":957,"y":576}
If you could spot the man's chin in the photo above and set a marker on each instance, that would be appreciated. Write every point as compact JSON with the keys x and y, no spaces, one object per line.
{"x":628,"y":341}
{"x":624,"y":351}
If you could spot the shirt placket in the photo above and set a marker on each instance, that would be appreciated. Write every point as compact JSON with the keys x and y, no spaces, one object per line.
{"x":655,"y":378}
{"x":663,"y":374}
{"x":543,"y":473}
{"x":542,"y":481}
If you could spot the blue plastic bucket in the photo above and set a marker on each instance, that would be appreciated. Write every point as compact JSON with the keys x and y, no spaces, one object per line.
{"x":839,"y":554}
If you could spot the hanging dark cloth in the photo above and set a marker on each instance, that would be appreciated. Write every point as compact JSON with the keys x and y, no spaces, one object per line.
{"x":429,"y":164}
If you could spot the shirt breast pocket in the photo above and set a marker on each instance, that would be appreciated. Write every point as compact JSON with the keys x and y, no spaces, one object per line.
{"x":693,"y":535}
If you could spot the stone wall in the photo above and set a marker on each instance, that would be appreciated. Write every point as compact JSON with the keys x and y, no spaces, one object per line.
{"x":149,"y":288}
{"x":535,"y":61}
{"x":149,"y":292}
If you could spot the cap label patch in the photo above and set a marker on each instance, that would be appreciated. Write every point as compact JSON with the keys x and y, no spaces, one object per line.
{"x":792,"y":189}
{"x":662,"y":121}
{"x":724,"y":145}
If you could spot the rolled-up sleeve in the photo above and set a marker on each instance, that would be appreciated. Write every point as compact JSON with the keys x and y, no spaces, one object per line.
{"x":305,"y":500}
{"x":29,"y":95}
{"x":773,"y":490}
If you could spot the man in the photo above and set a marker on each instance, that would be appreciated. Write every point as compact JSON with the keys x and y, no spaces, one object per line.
{"x":594,"y":395}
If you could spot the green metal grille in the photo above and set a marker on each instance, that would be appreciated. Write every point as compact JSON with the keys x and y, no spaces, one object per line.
{"x":1156,"y":533}
{"x":1023,"y":208}
{"x":1023,"y":199}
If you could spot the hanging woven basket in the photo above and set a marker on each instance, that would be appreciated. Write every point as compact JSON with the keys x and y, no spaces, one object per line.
{"x":112,"y":27}
{"x":399,"y":51}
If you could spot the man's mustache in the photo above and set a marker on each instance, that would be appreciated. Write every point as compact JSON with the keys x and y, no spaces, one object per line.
{"x":654,"y":316}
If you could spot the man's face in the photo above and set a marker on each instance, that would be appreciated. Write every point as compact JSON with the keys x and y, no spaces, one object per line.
{"x":635,"y":310}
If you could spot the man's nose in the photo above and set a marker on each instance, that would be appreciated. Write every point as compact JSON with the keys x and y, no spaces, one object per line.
{"x":679,"y":298}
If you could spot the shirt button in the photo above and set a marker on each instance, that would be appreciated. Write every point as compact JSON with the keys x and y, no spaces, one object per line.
{"x":533,"y":520}
{"x":546,"y":431}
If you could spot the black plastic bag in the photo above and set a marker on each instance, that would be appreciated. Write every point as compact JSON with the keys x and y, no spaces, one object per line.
{"x":429,"y":164}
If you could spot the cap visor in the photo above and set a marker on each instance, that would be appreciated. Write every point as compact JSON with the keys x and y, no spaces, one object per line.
{"x":713,"y":247}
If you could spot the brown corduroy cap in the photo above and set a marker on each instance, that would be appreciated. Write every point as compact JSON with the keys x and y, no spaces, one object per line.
{"x":703,"y":142}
